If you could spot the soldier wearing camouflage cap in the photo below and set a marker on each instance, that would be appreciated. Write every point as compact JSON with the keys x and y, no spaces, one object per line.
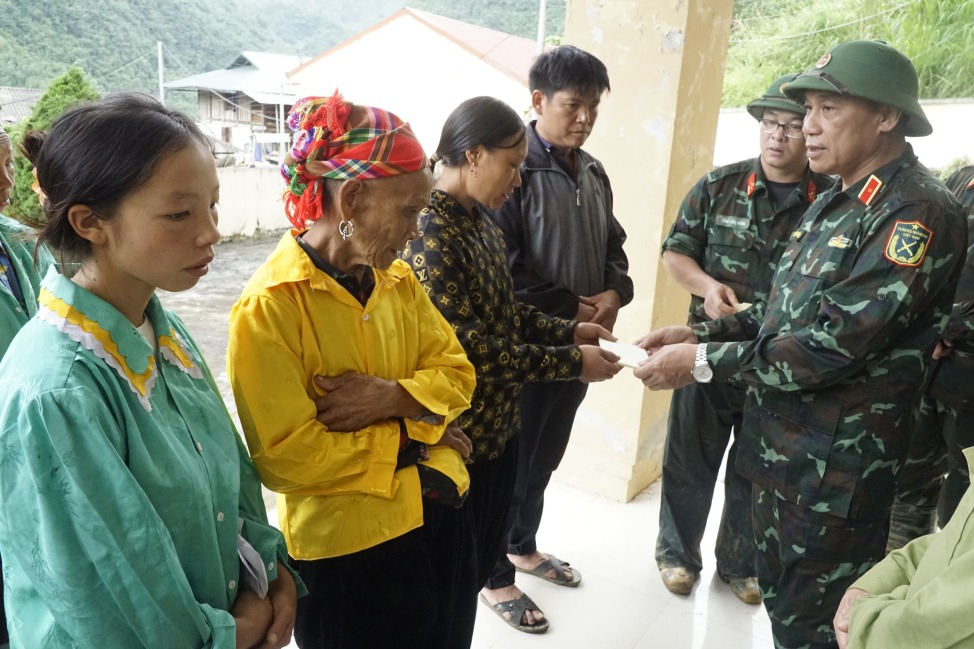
{"x":723,"y":248}
{"x":833,"y":362}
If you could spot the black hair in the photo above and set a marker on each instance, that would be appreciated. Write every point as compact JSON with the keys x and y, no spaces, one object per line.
{"x":479,"y":121}
{"x":96,"y":154}
{"x":568,"y":68}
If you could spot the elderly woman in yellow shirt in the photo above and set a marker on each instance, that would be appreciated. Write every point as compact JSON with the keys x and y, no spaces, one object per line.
{"x":346,"y":379}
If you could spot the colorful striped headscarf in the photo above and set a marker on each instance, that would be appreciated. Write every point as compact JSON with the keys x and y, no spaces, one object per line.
{"x":339,"y":140}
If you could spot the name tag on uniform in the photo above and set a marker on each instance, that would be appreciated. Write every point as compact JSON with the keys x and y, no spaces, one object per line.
{"x":840,"y":241}
{"x":729,"y":221}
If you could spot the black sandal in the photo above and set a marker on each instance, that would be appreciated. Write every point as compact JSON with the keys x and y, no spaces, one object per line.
{"x":517,"y":608}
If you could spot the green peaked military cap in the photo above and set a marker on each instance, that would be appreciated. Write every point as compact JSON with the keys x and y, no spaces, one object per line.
{"x":776,"y":99}
{"x":870,"y":70}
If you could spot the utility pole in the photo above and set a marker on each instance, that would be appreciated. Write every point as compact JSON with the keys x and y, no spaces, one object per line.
{"x":541,"y":25}
{"x":162,"y":92}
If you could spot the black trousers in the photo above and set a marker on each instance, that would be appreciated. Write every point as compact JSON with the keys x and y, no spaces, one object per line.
{"x":415,"y":590}
{"x":489,"y":502}
{"x":702,"y":417}
{"x":547,"y":415}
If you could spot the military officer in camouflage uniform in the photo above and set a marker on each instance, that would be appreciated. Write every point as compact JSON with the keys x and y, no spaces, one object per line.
{"x":945,"y":414}
{"x":724,"y":246}
{"x":835,"y":361}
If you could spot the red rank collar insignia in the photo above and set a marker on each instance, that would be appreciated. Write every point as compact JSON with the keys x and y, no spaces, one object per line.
{"x":751,"y":183}
{"x":870,"y":189}
{"x":812,"y":191}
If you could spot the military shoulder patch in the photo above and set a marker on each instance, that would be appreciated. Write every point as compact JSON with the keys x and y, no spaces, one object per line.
{"x":907,"y":244}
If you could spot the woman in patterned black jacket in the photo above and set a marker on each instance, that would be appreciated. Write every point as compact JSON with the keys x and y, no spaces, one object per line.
{"x":461,"y":260}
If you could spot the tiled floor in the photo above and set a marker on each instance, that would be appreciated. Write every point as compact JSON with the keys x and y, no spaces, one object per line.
{"x":621,"y":603}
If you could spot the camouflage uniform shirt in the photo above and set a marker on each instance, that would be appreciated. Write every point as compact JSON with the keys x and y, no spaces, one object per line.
{"x":729,"y":225}
{"x":835,"y":363}
{"x":461,"y":261}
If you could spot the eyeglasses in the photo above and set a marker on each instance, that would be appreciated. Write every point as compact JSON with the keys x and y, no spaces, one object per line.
{"x":793,"y":131}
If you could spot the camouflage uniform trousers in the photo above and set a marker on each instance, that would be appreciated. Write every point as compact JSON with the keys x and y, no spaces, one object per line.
{"x":702,"y":418}
{"x":806,"y":560}
{"x":924,"y":497}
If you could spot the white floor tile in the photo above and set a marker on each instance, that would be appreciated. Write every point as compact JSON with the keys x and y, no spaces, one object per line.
{"x":621,"y":602}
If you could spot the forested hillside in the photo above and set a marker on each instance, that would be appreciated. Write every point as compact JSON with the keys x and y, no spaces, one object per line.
{"x":114,"y":41}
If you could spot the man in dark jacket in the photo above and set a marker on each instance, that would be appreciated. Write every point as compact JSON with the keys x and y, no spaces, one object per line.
{"x":566,"y":257}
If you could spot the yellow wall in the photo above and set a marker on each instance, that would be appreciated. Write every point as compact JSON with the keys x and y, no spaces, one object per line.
{"x":655,"y":134}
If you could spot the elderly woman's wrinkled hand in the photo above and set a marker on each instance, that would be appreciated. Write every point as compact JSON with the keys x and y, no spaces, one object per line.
{"x":355,"y":401}
{"x":455,"y":438}
{"x":669,"y":367}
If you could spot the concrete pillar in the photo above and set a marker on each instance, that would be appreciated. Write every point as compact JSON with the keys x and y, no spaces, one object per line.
{"x":655,"y":135}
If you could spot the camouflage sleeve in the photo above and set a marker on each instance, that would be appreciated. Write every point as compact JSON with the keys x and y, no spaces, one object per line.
{"x":488,"y":345}
{"x":872,"y":307}
{"x":740,"y":326}
{"x":688,"y":236}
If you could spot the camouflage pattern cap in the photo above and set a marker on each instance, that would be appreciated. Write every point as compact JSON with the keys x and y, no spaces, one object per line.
{"x":776,"y":99}
{"x":871,"y":70}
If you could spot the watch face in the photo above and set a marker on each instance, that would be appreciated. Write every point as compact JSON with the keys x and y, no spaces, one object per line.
{"x":703,"y":373}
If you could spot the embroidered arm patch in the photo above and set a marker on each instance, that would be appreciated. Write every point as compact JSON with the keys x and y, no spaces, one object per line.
{"x":907,"y":244}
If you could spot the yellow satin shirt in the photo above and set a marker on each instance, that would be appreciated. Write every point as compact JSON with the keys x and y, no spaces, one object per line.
{"x":340,"y":492}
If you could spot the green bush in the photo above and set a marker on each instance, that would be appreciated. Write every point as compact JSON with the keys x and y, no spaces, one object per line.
{"x":67,"y":90}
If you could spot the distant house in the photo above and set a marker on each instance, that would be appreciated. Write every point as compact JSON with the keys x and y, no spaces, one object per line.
{"x":420,"y":66}
{"x":246,"y":103}
{"x":16,"y":104}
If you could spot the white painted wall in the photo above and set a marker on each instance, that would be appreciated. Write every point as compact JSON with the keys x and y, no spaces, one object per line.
{"x":250,"y":199}
{"x":412,"y":71}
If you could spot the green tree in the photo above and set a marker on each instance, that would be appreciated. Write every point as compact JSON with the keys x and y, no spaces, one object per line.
{"x":67,"y":90}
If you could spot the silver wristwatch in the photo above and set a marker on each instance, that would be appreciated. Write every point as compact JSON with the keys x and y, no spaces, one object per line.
{"x":702,"y":372}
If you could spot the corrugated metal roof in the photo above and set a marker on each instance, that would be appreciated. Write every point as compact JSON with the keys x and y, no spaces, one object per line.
{"x":17,"y":103}
{"x":259,"y":75}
